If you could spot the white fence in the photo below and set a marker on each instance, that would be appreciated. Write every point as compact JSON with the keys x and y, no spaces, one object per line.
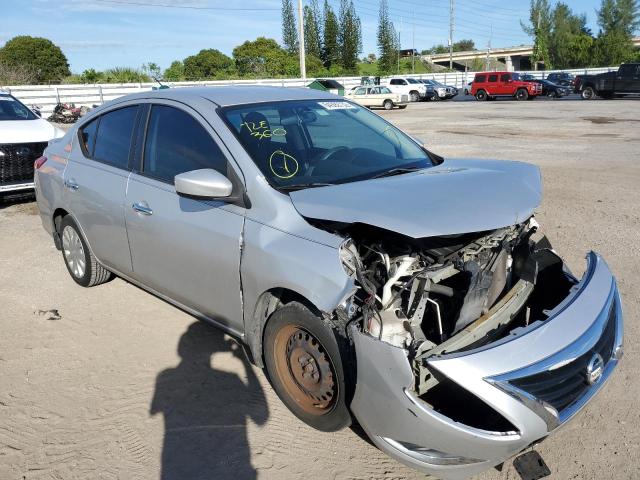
{"x":47,"y":96}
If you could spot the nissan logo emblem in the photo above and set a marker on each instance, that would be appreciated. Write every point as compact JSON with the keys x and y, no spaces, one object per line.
{"x":595,"y":368}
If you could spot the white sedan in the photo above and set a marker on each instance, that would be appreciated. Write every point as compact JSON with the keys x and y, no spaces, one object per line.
{"x":23,"y":138}
{"x":377,"y":97}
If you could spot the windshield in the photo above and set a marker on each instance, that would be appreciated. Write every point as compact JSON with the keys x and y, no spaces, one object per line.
{"x":12,"y":109}
{"x":308,"y":142}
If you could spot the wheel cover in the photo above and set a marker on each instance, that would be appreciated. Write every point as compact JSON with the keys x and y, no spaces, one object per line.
{"x":73,"y":252}
{"x":305,"y":369}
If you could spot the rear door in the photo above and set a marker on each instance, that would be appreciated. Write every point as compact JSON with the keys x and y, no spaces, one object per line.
{"x":493,"y":85}
{"x":184,"y":248}
{"x":96,"y":181}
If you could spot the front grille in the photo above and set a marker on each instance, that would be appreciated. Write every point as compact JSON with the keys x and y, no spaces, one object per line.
{"x":16,"y":161}
{"x":563,"y":386}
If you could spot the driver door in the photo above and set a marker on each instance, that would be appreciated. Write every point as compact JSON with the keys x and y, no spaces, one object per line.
{"x":183,"y":248}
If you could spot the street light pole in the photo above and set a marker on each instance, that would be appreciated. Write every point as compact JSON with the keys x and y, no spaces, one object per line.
{"x":451,"y":34}
{"x":303,"y":68}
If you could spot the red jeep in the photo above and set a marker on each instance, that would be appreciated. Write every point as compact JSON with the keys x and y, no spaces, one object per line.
{"x":489,"y":85}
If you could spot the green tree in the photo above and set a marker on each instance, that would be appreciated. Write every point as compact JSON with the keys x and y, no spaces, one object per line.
{"x":36,"y":54}
{"x":125,"y":75}
{"x":91,"y":76}
{"x":312,"y":29}
{"x":289,"y":31}
{"x":387,"y":41}
{"x":264,"y":57}
{"x":175,"y":72}
{"x":618,"y":20}
{"x":349,"y":36}
{"x":208,"y":64}
{"x":540,"y":30}
{"x":569,"y":38}
{"x":152,"y":69}
{"x":330,"y":45}
{"x":465,"y":45}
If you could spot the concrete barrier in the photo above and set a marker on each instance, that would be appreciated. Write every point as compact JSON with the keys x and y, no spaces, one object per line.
{"x":47,"y":96}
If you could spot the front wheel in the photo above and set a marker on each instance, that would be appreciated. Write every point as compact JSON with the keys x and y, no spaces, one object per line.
{"x":304,"y":363}
{"x":522,"y":94}
{"x":414,"y":96}
{"x":481,"y":95}
{"x":588,"y":93}
{"x":402,"y":107}
{"x":388,"y":104}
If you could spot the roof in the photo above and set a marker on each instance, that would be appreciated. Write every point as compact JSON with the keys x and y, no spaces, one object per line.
{"x":328,"y":83}
{"x":233,"y":95}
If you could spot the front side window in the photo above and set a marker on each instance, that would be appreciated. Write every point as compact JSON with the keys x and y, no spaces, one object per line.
{"x":177,"y":143}
{"x":113,"y":139}
{"x":321,"y":141}
{"x":505,"y":78}
{"x":12,"y":109}
{"x":384,"y":90}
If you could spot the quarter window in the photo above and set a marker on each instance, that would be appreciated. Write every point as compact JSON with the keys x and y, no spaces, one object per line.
{"x":113,"y":139}
{"x":177,"y":143}
{"x":88,"y":137}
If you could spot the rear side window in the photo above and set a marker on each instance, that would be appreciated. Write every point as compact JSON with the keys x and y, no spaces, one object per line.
{"x":177,"y":143}
{"x":113,"y":140}
{"x":493,"y":78}
{"x":480,"y":78}
{"x":88,"y":137}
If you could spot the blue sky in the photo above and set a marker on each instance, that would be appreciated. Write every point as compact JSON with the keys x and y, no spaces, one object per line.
{"x":108,"y":33}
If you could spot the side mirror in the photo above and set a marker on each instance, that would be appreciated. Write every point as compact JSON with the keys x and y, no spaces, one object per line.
{"x":204,"y":183}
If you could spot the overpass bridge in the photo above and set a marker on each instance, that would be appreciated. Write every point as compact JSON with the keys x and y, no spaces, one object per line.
{"x":514,"y":58}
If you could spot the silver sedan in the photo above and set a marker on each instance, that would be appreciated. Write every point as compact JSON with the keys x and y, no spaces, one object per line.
{"x":372,"y":279}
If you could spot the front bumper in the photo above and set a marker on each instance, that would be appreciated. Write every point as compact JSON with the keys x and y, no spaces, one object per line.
{"x":408,"y":429}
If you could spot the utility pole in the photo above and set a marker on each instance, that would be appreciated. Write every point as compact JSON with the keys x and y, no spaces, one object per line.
{"x":399,"y":44}
{"x":303,"y":68}
{"x":413,"y":44}
{"x":489,"y":48}
{"x":451,"y":6}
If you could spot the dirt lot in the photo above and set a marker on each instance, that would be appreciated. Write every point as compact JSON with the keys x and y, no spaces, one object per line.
{"x":112,"y":383}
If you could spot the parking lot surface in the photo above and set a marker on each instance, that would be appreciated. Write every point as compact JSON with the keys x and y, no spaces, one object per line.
{"x":113,"y":383}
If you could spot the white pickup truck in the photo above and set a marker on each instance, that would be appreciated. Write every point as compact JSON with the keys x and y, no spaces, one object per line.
{"x":407,"y":86}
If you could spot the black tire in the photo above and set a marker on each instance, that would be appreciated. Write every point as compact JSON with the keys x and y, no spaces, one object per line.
{"x":522,"y":94}
{"x":93,"y":273}
{"x":588,"y":93}
{"x":322,"y":405}
{"x":481,"y":96}
{"x":402,"y":107}
{"x":435,"y":98}
{"x":388,"y":105}
{"x":414,"y":96}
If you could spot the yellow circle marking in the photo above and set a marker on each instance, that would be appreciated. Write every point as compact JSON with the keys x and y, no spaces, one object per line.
{"x":286,"y":165}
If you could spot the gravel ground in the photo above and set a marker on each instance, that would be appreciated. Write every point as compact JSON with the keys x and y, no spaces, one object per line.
{"x":113,"y":383}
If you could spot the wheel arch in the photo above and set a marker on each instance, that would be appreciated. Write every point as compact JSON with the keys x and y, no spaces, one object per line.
{"x":269,"y":302}
{"x":56,"y":219}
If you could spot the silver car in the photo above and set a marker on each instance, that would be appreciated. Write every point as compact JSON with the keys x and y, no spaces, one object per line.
{"x":373,"y":280}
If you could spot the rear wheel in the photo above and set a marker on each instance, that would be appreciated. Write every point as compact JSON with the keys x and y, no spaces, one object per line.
{"x":481,"y":95}
{"x":588,"y":93}
{"x":522,"y":94}
{"x":388,"y":104}
{"x":81,"y":264}
{"x":305,"y":367}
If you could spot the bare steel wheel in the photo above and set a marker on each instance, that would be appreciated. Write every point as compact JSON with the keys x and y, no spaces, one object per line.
{"x":306,"y":370}
{"x":305,"y":363}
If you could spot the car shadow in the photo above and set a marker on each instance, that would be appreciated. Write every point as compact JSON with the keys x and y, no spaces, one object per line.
{"x":206,"y":410}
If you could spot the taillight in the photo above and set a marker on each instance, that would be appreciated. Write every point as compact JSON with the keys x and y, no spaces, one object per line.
{"x":39,"y":162}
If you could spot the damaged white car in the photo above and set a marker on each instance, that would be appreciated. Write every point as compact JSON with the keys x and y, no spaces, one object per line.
{"x":375,"y":281}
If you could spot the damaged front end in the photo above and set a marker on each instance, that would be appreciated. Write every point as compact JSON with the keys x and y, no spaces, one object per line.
{"x":472,"y":347}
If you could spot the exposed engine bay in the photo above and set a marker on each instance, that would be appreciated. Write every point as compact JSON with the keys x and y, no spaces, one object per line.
{"x":437,"y":295}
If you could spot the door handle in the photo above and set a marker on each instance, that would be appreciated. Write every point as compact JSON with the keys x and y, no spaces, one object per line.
{"x":71,"y":184}
{"x":143,"y":209}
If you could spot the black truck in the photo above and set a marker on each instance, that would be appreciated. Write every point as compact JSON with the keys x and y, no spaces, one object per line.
{"x":625,"y":81}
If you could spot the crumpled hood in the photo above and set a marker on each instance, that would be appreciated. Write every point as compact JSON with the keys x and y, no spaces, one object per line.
{"x":458,"y":196}
{"x":28,"y":131}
